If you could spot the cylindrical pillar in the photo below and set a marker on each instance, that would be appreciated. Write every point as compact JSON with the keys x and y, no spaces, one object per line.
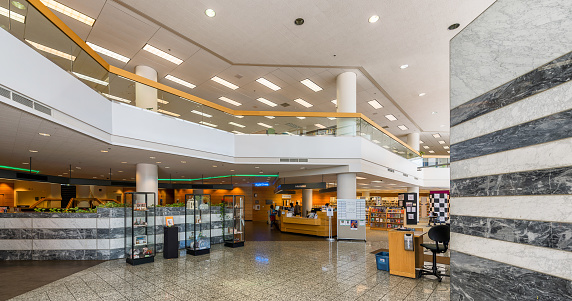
{"x":415,"y":189}
{"x":347,"y":186}
{"x":413,"y":140}
{"x":145,"y":96}
{"x":147,"y":179}
{"x":306,"y":201}
{"x":346,"y":91}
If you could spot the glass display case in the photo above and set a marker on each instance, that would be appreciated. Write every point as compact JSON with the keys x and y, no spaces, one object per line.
{"x":233,"y":220}
{"x":197,"y":224}
{"x":140,"y":234}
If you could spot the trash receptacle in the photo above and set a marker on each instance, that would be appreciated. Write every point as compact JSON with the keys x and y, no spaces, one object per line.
{"x":382,"y":260}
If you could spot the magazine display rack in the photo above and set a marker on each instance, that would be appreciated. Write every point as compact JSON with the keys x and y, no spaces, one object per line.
{"x":198,"y":224}
{"x":140,"y":234}
{"x":233,"y":220}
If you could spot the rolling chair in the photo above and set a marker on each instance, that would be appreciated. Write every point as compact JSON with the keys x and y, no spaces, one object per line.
{"x":441,"y":236}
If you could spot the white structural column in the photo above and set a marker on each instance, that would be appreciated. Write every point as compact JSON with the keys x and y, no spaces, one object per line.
{"x":415,"y":189}
{"x":147,"y":179}
{"x":413,"y":140}
{"x":145,"y":96}
{"x":306,"y":201}
{"x":347,"y":186}
{"x":346,"y":87}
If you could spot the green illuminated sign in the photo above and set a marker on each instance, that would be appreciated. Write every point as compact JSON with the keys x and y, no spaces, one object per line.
{"x":18,"y":168}
{"x":220,"y":177}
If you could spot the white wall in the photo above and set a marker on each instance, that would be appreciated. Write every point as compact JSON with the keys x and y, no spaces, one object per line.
{"x":437,"y":177}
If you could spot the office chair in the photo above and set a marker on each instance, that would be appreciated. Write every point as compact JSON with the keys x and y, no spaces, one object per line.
{"x":439,"y":234}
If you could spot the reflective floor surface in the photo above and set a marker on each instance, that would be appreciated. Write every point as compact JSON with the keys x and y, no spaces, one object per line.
{"x":261,"y":270}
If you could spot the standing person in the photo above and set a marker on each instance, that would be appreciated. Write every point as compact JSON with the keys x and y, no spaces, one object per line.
{"x":297,"y":209}
{"x":272,"y":216}
{"x":291,"y":208}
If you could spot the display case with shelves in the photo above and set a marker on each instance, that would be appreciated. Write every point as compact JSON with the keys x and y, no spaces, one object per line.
{"x":233,"y":220}
{"x":197,"y":224}
{"x":140,"y":233}
{"x":394,"y":218}
{"x":376,"y":217}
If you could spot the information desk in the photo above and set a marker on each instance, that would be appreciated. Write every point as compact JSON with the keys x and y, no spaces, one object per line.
{"x":403,"y":262}
{"x":310,"y":226}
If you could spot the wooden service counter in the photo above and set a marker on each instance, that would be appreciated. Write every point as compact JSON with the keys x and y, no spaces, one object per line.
{"x":403,"y":262}
{"x":309,"y":226}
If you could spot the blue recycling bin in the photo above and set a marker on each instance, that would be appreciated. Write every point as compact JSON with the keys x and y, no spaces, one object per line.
{"x":382,"y":260}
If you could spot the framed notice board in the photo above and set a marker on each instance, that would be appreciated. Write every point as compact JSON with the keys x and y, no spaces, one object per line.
{"x":411,"y":206}
{"x":351,"y":219}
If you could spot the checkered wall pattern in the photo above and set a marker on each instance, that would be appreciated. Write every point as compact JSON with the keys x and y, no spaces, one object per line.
{"x":439,"y":205}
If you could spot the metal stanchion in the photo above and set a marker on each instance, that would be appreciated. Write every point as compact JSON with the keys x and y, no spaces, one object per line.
{"x":330,"y":229}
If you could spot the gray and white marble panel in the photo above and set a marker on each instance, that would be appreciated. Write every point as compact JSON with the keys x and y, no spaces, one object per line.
{"x":10,"y":221}
{"x":64,"y":244}
{"x":64,"y":222}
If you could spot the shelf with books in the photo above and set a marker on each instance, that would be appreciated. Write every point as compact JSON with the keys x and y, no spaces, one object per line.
{"x":384,"y":218}
{"x":140,"y":227}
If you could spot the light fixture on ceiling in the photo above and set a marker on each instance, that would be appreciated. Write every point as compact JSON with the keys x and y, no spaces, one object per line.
{"x":425,"y":147}
{"x":232,"y":170}
{"x":215,"y":166}
{"x":335,"y":101}
{"x":310,"y":84}
{"x":376,"y":181}
{"x":237,"y":132}
{"x":225,"y":83}
{"x":441,"y":142}
{"x":268,"y":84}
{"x":52,"y":51}
{"x":237,"y":124}
{"x":301,"y":117}
{"x":260,"y":172}
{"x":448,"y":152}
{"x":453,"y":26}
{"x":208,"y":124}
{"x":124,"y":162}
{"x":201,"y":113}
{"x":391,"y":117}
{"x":386,"y":146}
{"x":44,"y":134}
{"x":264,"y":125}
{"x":445,"y":147}
{"x":402,"y":127}
{"x":375,"y":141}
{"x":113,"y":97}
{"x":120,"y":171}
{"x":303,"y":102}
{"x":432,"y":152}
{"x":210,"y":12}
{"x":91,"y":79}
{"x":77,"y":167}
{"x":162,"y":101}
{"x":332,"y":118}
{"x":108,"y":52}
{"x":162,"y":54}
{"x":422,"y":94}
{"x":266,"y":102}
{"x":421,"y":142}
{"x":168,"y":113}
{"x":25,"y":163}
{"x":18,"y":5}
{"x":270,"y":117}
{"x":232,"y":102}
{"x":68,"y":11}
{"x":373,"y":19}
{"x":299,"y":21}
{"x":404,"y":66}
{"x":151,"y":157}
{"x":256,"y":166}
{"x":434,"y":113}
{"x":360,"y":178}
{"x":375,"y":104}
{"x":437,"y":135}
{"x":239,"y":116}
{"x":183,"y":162}
{"x":180,"y":81}
{"x":158,"y":162}
{"x":104,"y":151}
{"x":12,"y":15}
{"x":319,"y":126}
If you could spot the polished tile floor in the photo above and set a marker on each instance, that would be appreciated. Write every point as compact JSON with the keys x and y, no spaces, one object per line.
{"x":261,"y":270}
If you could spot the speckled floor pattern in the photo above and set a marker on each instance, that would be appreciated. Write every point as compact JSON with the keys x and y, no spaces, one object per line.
{"x":261,"y":270}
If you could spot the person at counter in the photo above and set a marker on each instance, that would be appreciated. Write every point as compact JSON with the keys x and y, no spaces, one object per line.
{"x":297,"y":210}
{"x":273,"y":216}
{"x":291,"y":208}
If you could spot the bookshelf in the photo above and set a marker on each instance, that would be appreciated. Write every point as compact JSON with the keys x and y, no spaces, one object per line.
{"x":385,"y":218}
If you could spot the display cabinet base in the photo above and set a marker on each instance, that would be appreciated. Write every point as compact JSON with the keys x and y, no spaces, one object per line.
{"x":198,"y":252}
{"x":234,"y":244}
{"x":138,"y":261}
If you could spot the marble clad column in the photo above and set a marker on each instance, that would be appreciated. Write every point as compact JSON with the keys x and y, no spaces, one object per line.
{"x":511,"y":168}
{"x":145,"y":96}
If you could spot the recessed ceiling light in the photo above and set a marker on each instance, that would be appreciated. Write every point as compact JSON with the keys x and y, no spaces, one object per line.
{"x":425,"y":147}
{"x":432,"y":152}
{"x":404,"y":66}
{"x":210,"y":12}
{"x":360,"y":178}
{"x":391,"y":117}
{"x":236,"y":124}
{"x":51,"y":50}
{"x":70,"y":12}
{"x":239,"y":116}
{"x":437,"y":135}
{"x":91,"y":79}
{"x":232,"y":170}
{"x":260,"y":172}
{"x":208,"y":124}
{"x":232,"y":102}
{"x":402,"y":127}
{"x":434,"y":112}
{"x":215,"y":166}
{"x":78,"y":167}
{"x":441,"y":142}
{"x":256,"y":166}
{"x":104,"y":151}
{"x":266,"y":102}
{"x":162,"y":101}
{"x":113,"y":97}
{"x":448,"y":152}
{"x":168,"y":113}
{"x":420,"y":142}
{"x":270,"y":117}
{"x":386,"y":146}
{"x":180,"y":81}
{"x":120,"y":171}
{"x":392,"y":184}
{"x":201,"y":113}
{"x":224,"y":83}
{"x":376,"y":181}
{"x":445,"y":147}
{"x":303,"y":102}
{"x":25,"y":163}
{"x":454,"y":26}
{"x":183,"y":162}
{"x":33,"y":151}
{"x":124,"y":162}
{"x":151,"y":157}
{"x":162,"y":54}
{"x":158,"y":162}
{"x":319,"y":126}
{"x":108,"y":52}
{"x":335,"y":101}
{"x":237,"y":132}
{"x":375,"y":104}
{"x":268,"y":84}
{"x":65,"y":173}
{"x":375,"y":141}
{"x":44,"y":134}
{"x":421,"y":94}
{"x":310,"y":84}
{"x":373,"y":19}
{"x":12,"y":15}
{"x":301,"y":117}
{"x":264,"y":125}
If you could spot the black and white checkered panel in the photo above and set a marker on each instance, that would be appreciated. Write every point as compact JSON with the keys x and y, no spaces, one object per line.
{"x":439,"y":205}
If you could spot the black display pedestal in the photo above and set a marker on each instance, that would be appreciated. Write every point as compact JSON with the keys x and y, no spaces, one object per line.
{"x":198,"y":252}
{"x":170,"y":242}
{"x":138,"y":261}
{"x":234,"y":244}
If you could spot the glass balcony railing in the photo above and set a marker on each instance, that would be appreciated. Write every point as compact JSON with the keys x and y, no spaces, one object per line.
{"x":36,"y":25}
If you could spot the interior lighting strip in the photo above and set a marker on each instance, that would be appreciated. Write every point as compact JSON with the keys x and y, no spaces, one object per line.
{"x":162,"y":54}
{"x":52,"y":51}
{"x":224,"y":83}
{"x":108,"y":52}
{"x":70,"y":12}
{"x":91,"y":79}
{"x":12,"y":15}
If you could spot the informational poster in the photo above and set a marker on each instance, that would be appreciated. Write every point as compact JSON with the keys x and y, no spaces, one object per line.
{"x":330,"y":211}
{"x":354,"y":225}
{"x":352,"y":219}
{"x":351,"y":209}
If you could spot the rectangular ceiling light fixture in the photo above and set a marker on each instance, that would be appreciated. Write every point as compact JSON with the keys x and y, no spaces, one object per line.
{"x":360,"y":178}
{"x":437,"y":135}
{"x":425,"y":147}
{"x":238,"y":133}
{"x":421,"y":142}
{"x":266,"y":102}
{"x":303,"y":102}
{"x":108,"y":52}
{"x":116,"y":98}
{"x":441,"y":142}
{"x":209,"y":124}
{"x":162,"y":54}
{"x":319,"y":126}
{"x":224,"y":82}
{"x":375,"y":141}
{"x":201,"y":113}
{"x":445,"y":147}
{"x":402,"y":127}
{"x":332,"y":118}
{"x":237,"y":124}
{"x":239,"y":116}
{"x":168,"y":113}
{"x":91,"y":79}
{"x":432,"y":152}
{"x":310,"y":84}
{"x":12,"y":15}
{"x":390,"y":117}
{"x":375,"y":104}
{"x":270,"y":117}
{"x":70,"y":12}
{"x":180,"y":81}
{"x":301,"y":117}
{"x":162,"y":101}
{"x":52,"y":51}
{"x":264,"y":125}
{"x":268,"y":84}
{"x":232,"y":102}
{"x":335,"y":101}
